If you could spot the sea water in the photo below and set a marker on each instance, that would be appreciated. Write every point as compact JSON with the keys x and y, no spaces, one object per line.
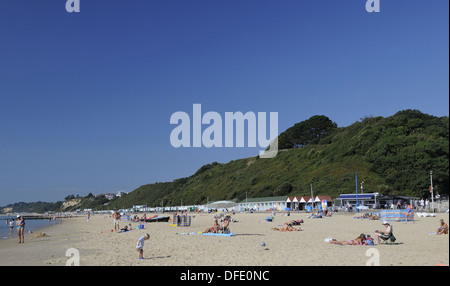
{"x":30,"y":225}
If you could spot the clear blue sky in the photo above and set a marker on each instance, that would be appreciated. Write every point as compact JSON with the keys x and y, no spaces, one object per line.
{"x":86,"y":98}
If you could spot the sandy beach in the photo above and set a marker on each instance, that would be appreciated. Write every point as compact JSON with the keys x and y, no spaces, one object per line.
{"x":98,"y":245}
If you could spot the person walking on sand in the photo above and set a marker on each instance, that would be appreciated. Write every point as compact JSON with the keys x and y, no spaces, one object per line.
{"x":140,"y":245}
{"x":20,"y":223}
{"x":409,"y":213}
{"x":116,"y":217}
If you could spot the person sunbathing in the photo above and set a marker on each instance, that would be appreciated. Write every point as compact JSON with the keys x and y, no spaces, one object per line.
{"x":295,"y":222}
{"x":315,"y":215}
{"x":126,"y":228}
{"x":214,"y":228}
{"x":287,"y":227}
{"x":443,"y":229}
{"x":357,"y":241}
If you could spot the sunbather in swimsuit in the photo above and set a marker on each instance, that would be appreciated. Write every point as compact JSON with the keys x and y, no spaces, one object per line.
{"x":443,"y":229}
{"x":214,"y":228}
{"x":287,"y":227}
{"x":356,"y":241}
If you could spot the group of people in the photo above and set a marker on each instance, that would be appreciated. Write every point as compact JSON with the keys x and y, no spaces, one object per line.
{"x":364,"y":239}
{"x":385,"y":234}
{"x":223,"y":226}
{"x":219,"y":227}
{"x":137,"y":219}
{"x":20,"y":225}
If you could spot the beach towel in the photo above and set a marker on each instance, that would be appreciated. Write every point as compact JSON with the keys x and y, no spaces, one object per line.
{"x":218,"y":234}
{"x":189,"y":233}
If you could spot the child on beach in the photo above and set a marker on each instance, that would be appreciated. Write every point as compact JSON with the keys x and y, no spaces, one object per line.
{"x":11,"y":226}
{"x":140,"y":245}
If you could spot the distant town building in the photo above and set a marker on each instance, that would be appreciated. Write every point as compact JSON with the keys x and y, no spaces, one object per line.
{"x":109,"y":196}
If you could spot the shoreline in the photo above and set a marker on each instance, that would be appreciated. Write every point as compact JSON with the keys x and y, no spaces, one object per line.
{"x":33,"y":229}
{"x":98,"y":245}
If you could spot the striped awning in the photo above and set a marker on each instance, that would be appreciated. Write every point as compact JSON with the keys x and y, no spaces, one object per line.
{"x":353,"y":197}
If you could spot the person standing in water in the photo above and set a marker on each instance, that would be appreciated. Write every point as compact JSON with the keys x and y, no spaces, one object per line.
{"x":11,"y":225}
{"x":20,"y":223}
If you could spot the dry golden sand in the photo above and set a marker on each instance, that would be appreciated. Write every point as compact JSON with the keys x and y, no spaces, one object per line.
{"x":97,"y":245}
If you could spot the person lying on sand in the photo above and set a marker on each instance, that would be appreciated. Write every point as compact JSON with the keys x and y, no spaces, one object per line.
{"x":357,"y":241}
{"x":295,"y":222}
{"x":316,"y":215}
{"x":287,"y":227}
{"x":126,"y":228}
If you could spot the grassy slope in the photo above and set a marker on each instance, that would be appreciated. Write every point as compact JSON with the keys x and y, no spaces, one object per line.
{"x":392,"y":155}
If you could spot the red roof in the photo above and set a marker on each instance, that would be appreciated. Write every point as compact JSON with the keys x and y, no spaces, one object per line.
{"x":325,"y":197}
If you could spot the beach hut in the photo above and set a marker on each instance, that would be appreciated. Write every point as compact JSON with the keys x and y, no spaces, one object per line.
{"x":289,"y":202}
{"x":294,"y":202}
{"x":264,"y":203}
{"x":302,"y":203}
